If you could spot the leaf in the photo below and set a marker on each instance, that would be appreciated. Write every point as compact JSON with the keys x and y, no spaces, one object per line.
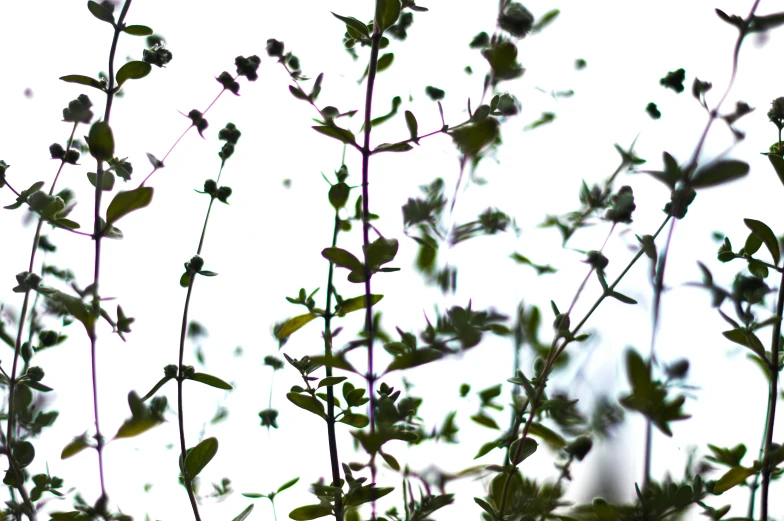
{"x":82,"y":80}
{"x":101,"y":141}
{"x":550,"y":437}
{"x":486,"y":507}
{"x":127,"y":202}
{"x":157,"y":386}
{"x":287,"y":485}
{"x":368,"y":493}
{"x":135,"y":426}
{"x":310,"y":512}
{"x":360,"y":421}
{"x":355,"y":304}
{"x":778,"y":165}
{"x":385,"y":62}
{"x":387,"y":13}
{"x":638,"y":373}
{"x":341,"y":134}
{"x":138,"y":30}
{"x":294,"y":324}
{"x":719,"y":173}
{"x":199,"y":456}
{"x":413,"y":127}
{"x":100,"y":12}
{"x":76,"y":446}
{"x":307,"y":402}
{"x":354,"y":24}
{"x":761,"y":230}
{"x":484,"y":449}
{"x":133,"y":70}
{"x":212,"y":381}
{"x":107,"y":180}
{"x":528,"y":448}
{"x":734,"y":476}
{"x":297,"y":93}
{"x":391,"y":461}
{"x":392,"y":147}
{"x":485,"y":421}
{"x":623,"y":298}
{"x":750,"y":340}
{"x":24,"y":453}
{"x":330,"y":380}
{"x":414,"y":359}
{"x":244,"y":514}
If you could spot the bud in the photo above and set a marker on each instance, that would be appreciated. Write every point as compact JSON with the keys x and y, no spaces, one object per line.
{"x":195,"y":264}
{"x":223,"y":194}
{"x":56,"y":151}
{"x":274,"y":48}
{"x":35,"y":373}
{"x":516,"y":20}
{"x":579,"y":447}
{"x":561,"y":322}
{"x":211,"y":187}
{"x":597,"y":260}
{"x":48,"y":338}
{"x":170,"y":371}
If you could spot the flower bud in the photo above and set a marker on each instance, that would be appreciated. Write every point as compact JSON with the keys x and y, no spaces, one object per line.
{"x":579,"y":447}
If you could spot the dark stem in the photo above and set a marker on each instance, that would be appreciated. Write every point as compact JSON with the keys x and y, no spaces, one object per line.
{"x":371,"y":377}
{"x":333,"y":445}
{"x":772,"y":400}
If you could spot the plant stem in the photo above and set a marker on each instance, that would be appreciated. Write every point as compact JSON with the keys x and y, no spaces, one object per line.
{"x":772,"y":400}
{"x":333,"y":445}
{"x":371,"y":377}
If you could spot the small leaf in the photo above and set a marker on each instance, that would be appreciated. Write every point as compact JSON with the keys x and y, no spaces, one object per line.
{"x":341,"y":134}
{"x":342,"y":258}
{"x":550,"y":437}
{"x":107,"y":180}
{"x":307,"y":402}
{"x":355,"y":304}
{"x":212,"y":381}
{"x":138,"y":30}
{"x":297,"y":93}
{"x":623,"y":298}
{"x":83,"y":80}
{"x":528,"y":448}
{"x":135,"y":426}
{"x":761,"y":230}
{"x":155,"y":388}
{"x":734,"y":476}
{"x":244,"y":514}
{"x":414,"y":359}
{"x":24,"y":453}
{"x":360,"y":421}
{"x":719,"y":173}
{"x":486,"y":507}
{"x":127,"y":202}
{"x":391,"y":461}
{"x":385,"y":62}
{"x":354,"y":24}
{"x":387,"y":13}
{"x":330,"y":380}
{"x":392,"y":147}
{"x":76,"y":446}
{"x":101,"y":141}
{"x":778,"y":165}
{"x":287,"y":485}
{"x":310,"y":512}
{"x":199,"y":456}
{"x":413,"y":127}
{"x":294,"y":324}
{"x":485,"y":420}
{"x":133,"y":70}
{"x":100,"y":12}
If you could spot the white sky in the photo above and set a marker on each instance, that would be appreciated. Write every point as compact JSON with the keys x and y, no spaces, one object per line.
{"x":266,"y":244}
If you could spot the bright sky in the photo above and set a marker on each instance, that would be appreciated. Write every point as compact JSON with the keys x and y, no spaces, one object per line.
{"x":267,"y":243}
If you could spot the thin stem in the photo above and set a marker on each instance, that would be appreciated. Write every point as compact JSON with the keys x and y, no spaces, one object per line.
{"x":755,"y":484}
{"x":564,"y":475}
{"x":371,"y":377}
{"x":333,"y":446}
{"x":774,"y":363}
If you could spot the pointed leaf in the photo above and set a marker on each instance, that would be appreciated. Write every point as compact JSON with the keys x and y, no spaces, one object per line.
{"x":138,"y":30}
{"x":355,"y":304}
{"x":342,"y":258}
{"x":133,"y":70}
{"x":734,"y":476}
{"x":719,"y":173}
{"x":413,"y":127}
{"x":547,"y":435}
{"x":387,"y":13}
{"x":341,"y":134}
{"x":761,"y":230}
{"x":778,"y":165}
{"x":127,"y":202}
{"x":212,"y":381}
{"x":623,"y":298}
{"x":330,"y":380}
{"x":155,"y":388}
{"x":83,"y":80}
{"x":354,"y":24}
{"x":135,"y":426}
{"x":414,"y":359}
{"x":485,"y":421}
{"x":100,"y":12}
{"x":287,"y":485}
{"x":199,"y":456}
{"x":310,"y":512}
{"x":385,"y":62}
{"x":294,"y":324}
{"x":101,"y":141}
{"x":307,"y":402}
{"x":244,"y":514}
{"x":76,"y":446}
{"x":528,"y":448}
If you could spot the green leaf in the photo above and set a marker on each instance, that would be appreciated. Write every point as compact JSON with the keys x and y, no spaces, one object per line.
{"x":623,"y":298}
{"x":638,"y":373}
{"x":484,"y":449}
{"x":133,"y":70}
{"x":76,"y":446}
{"x":24,"y":453}
{"x":244,"y":514}
{"x":385,"y":62}
{"x":287,"y":485}
{"x":778,"y":165}
{"x":294,"y":324}
{"x":212,"y":381}
{"x":341,"y":134}
{"x":297,"y":93}
{"x":307,"y":402}
{"x":761,"y":230}
{"x":354,"y":24}
{"x":529,"y":447}
{"x":387,"y":13}
{"x":366,"y":494}
{"x":107,"y":180}
{"x":485,"y":420}
{"x":135,"y":426}
{"x":360,"y":421}
{"x":392,"y":147}
{"x":138,"y":30}
{"x":330,"y":380}
{"x":414,"y":359}
{"x":734,"y":476}
{"x":101,"y":141}
{"x":486,"y":507}
{"x":100,"y":12}
{"x":155,"y":388}
{"x":548,"y":436}
{"x":719,"y":173}
{"x":413,"y":127}
{"x":83,"y":80}
{"x":127,"y":202}
{"x":310,"y":512}
{"x":355,"y":304}
{"x":199,"y":456}
{"x":747,"y":339}
{"x":391,"y":461}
